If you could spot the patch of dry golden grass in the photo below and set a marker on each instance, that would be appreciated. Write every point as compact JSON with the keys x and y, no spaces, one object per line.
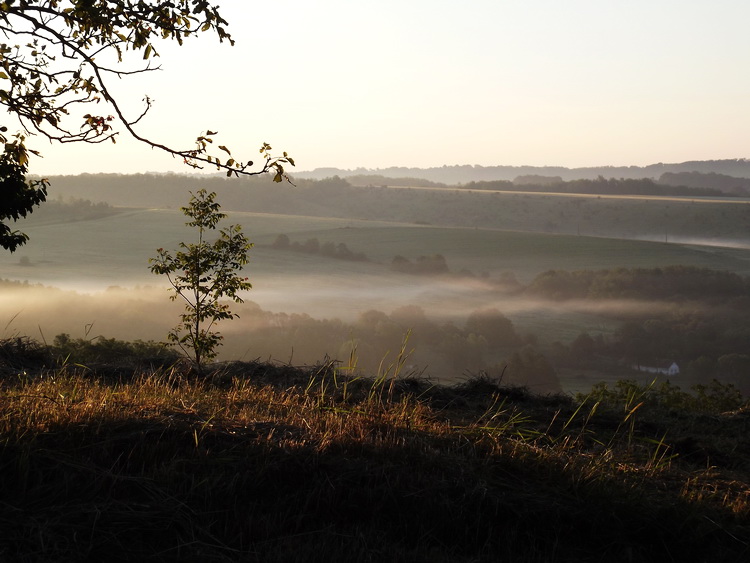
{"x":236,"y":466}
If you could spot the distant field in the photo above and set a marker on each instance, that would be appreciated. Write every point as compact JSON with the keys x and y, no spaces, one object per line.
{"x":92,"y":255}
{"x":525,"y":254}
{"x":115,"y":250}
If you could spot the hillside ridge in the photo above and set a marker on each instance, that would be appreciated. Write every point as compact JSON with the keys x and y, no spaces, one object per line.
{"x":462,"y":173}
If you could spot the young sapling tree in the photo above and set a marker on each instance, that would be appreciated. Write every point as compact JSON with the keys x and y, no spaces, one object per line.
{"x":203,"y":274}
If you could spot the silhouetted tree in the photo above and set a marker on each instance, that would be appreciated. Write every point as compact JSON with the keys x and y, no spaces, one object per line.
{"x":281,"y":242}
{"x":495,"y":327}
{"x":53,"y":63}
{"x":532,"y":369}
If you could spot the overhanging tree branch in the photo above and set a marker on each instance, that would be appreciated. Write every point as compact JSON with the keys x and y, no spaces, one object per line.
{"x":53,"y":62}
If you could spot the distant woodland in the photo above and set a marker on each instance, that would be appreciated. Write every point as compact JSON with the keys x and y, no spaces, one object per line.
{"x":600,"y":185}
{"x":697,"y":317}
{"x":490,"y":205}
{"x":70,"y":209}
{"x":328,"y":249}
{"x":712,"y":180}
{"x":461,"y":174}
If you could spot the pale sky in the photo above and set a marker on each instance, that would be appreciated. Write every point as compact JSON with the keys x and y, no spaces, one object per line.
{"x":421,"y":83}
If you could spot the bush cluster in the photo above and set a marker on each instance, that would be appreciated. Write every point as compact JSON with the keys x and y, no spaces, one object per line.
{"x":102,"y":350}
{"x":313,"y":246}
{"x":423,"y":265}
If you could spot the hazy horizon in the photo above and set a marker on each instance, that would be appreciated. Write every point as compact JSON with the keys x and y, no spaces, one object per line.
{"x":423,"y":83}
{"x":420,"y":84}
{"x":306,"y":304}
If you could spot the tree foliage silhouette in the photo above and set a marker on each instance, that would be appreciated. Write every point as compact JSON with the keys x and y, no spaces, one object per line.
{"x":54,"y":66}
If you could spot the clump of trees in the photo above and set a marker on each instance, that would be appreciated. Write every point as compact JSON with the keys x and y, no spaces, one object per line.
{"x":671,"y":283}
{"x":338,"y":251}
{"x":530,"y":368}
{"x":100,"y":350}
{"x":73,"y":209}
{"x":600,"y":185}
{"x":423,"y":265}
{"x":724,"y":182}
{"x":486,"y":342}
{"x":370,"y":180}
{"x":702,"y":320}
{"x":497,"y":329}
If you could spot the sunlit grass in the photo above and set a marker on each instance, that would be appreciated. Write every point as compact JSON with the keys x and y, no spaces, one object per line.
{"x":264,"y":462}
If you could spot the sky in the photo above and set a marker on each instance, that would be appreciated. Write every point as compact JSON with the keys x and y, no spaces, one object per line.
{"x":418,"y":83}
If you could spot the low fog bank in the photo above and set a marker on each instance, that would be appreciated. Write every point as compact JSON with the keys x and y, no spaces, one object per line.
{"x":548,"y":344}
{"x":739,"y":243}
{"x":44,"y":312}
{"x":447,"y":348}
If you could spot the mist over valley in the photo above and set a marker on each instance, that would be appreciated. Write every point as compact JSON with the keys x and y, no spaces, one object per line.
{"x":252,"y":310}
{"x":337,"y":265}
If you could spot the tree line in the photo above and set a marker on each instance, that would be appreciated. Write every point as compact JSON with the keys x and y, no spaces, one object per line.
{"x":71,"y":209}
{"x":335,"y":197}
{"x":673,"y":283}
{"x":485,"y":342}
{"x":329,"y":249}
{"x":600,"y":186}
{"x":702,"y":320}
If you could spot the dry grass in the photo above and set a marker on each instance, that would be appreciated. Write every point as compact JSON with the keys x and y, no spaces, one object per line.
{"x":271,"y":463}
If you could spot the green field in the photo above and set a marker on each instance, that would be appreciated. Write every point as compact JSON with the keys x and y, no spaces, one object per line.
{"x":90,"y":256}
{"x":115,"y":250}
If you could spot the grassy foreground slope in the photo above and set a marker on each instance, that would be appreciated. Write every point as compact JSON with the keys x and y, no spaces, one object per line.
{"x":269,"y":463}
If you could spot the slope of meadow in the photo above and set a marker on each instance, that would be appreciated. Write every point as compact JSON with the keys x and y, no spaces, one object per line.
{"x":115,"y":250}
{"x":92,"y":255}
{"x":261,"y":462}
